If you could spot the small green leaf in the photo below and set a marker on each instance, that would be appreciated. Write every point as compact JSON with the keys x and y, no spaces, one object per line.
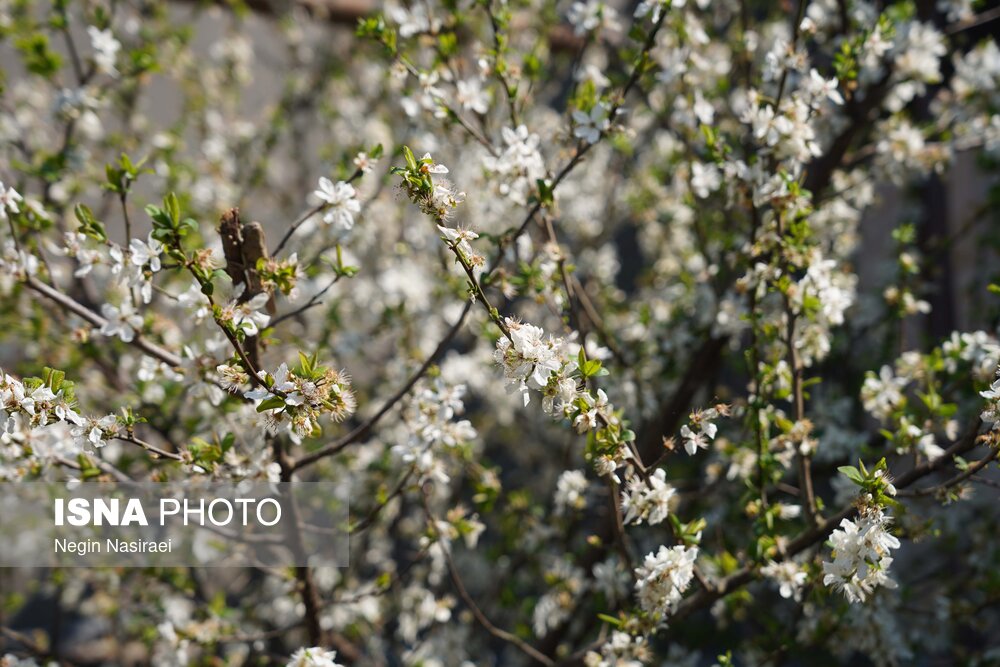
{"x":851,"y":473}
{"x":173,"y":208}
{"x":306,"y":364}
{"x":270,"y":404}
{"x":591,"y":368}
{"x":411,"y":161}
{"x":611,"y":620}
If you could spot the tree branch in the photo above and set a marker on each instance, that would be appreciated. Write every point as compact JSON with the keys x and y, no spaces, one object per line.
{"x":96,"y":320}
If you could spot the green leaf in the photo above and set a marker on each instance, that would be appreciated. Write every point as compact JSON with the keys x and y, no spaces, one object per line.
{"x":87,"y":468}
{"x":448,"y":44}
{"x":851,"y":473}
{"x":173,"y":208}
{"x":38,"y":57}
{"x":591,"y":368}
{"x":611,"y":620}
{"x":306,"y":364}
{"x":411,"y":161}
{"x":54,"y":378}
{"x":114,"y":178}
{"x":88,"y":224}
{"x":271,"y":403}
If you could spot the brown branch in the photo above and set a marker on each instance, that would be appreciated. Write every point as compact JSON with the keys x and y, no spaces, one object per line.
{"x":373,"y":514}
{"x":96,"y":320}
{"x":477,"y":289}
{"x":798,"y":393}
{"x":976,"y":21}
{"x":598,"y":322}
{"x":156,"y":451}
{"x":956,"y":480}
{"x":314,"y":300}
{"x":30,"y":644}
{"x":346,"y":650}
{"x":243,"y":245}
{"x":820,"y":171}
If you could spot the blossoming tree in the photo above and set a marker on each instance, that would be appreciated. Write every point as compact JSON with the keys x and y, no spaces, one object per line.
{"x":581,"y":299}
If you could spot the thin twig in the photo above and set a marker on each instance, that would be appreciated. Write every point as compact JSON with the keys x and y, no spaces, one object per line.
{"x":956,"y":480}
{"x":150,"y":448}
{"x":798,"y":391}
{"x":463,"y":593}
{"x":974,"y":21}
{"x":313,"y":301}
{"x":373,"y":514}
{"x":365,"y":428}
{"x":96,"y":320}
{"x":27,"y":642}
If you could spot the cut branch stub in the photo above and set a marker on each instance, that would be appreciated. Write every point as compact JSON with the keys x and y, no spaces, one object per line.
{"x":243,"y":245}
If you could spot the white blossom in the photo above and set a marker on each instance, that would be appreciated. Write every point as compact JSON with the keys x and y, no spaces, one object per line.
{"x":340,"y":203}
{"x":705,"y":179}
{"x":881,"y":394}
{"x":472,"y":96}
{"x":519,"y":166}
{"x":663,"y":577}
{"x":96,"y":432}
{"x":699,"y":438}
{"x":9,"y":200}
{"x":788,"y":575}
{"x":991,"y":414}
{"x":245,"y":316}
{"x":146,"y":253}
{"x":313,"y":657}
{"x":621,"y":650}
{"x":861,"y":559}
{"x":122,"y":321}
{"x":590,"y":125}
{"x":588,"y":15}
{"x":571,"y":490}
{"x":106,"y":49}
{"x":528,"y":357}
{"x":647,"y":501}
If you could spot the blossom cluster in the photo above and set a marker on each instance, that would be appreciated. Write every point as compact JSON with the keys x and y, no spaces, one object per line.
{"x":861,"y":555}
{"x":433,"y":424}
{"x":300,"y":397}
{"x":313,"y":657}
{"x":663,"y":578}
